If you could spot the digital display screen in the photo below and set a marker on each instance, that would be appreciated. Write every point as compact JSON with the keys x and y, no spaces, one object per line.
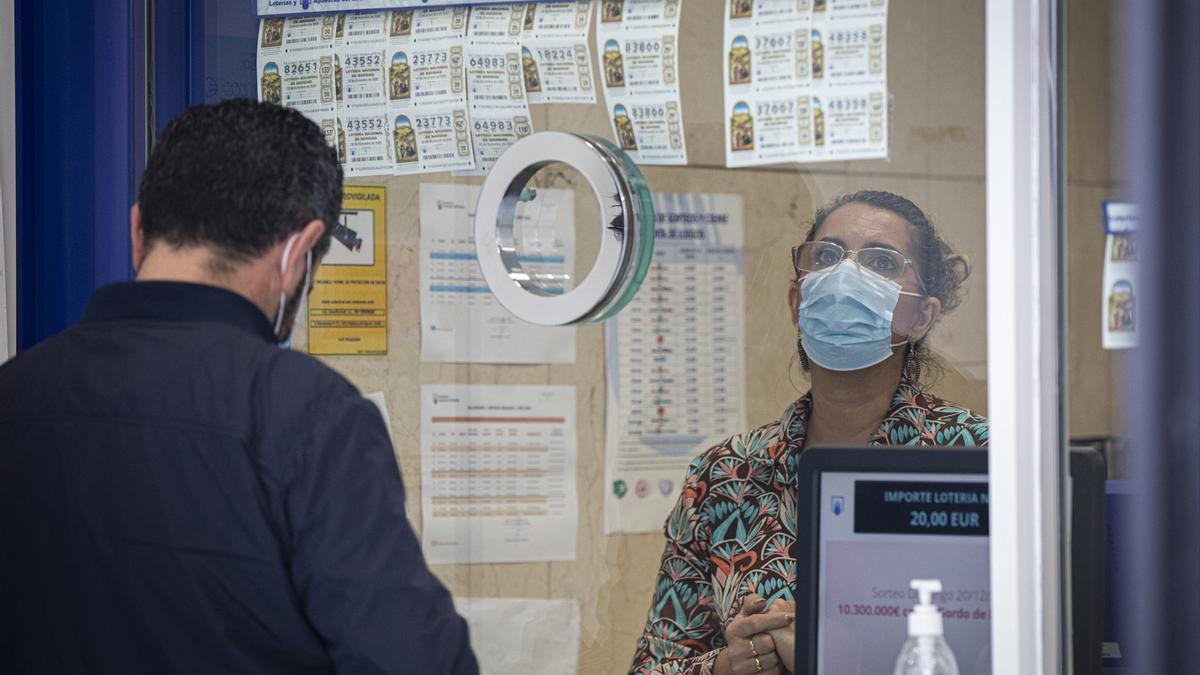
{"x":909,"y":507}
{"x":877,"y":532}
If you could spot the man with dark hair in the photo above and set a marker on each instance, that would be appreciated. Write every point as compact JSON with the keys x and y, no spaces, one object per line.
{"x":178,"y":494}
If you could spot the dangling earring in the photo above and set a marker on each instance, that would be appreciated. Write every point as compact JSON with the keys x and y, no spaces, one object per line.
{"x":803,"y":356}
{"x":912,"y":366}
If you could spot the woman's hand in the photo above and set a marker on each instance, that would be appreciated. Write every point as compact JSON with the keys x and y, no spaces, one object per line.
{"x":751,"y":648}
{"x":785,"y":638}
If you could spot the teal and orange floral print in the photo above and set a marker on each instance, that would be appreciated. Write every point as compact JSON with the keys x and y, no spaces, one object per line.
{"x":732,"y":530}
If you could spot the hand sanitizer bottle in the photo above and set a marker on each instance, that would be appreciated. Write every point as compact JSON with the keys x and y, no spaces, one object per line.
{"x":926,"y":651}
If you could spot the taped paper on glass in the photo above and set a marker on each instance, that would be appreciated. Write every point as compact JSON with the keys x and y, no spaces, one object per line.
{"x":347,"y":308}
{"x":461,"y":320}
{"x":498,"y":473}
{"x":675,"y":359}
{"x":805,"y":81}
{"x":1118,"y":306}
{"x":638,"y":43}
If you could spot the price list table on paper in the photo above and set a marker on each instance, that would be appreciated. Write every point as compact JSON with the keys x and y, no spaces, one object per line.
{"x":675,"y":358}
{"x":498,"y":473}
{"x":461,"y":321}
{"x":683,"y":354}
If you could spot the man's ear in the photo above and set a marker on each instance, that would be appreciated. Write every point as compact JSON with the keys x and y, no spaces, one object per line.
{"x":307,"y":241}
{"x":924,"y":317}
{"x":137,"y":237}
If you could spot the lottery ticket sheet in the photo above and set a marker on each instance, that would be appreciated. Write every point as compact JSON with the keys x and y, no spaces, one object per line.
{"x":805,"y":81}
{"x":556,"y":62}
{"x":638,"y":43}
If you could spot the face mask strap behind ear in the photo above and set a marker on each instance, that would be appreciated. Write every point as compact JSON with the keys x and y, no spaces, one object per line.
{"x":909,"y":341}
{"x":287,"y":251}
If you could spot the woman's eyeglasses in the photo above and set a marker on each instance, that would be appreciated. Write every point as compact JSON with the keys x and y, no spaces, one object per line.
{"x":818,"y":256}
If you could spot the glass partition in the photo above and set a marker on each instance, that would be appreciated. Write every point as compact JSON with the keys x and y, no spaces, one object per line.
{"x":547,"y":467}
{"x":1100,"y":313}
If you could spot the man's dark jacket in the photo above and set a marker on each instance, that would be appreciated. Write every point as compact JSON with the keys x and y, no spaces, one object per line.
{"x":179,"y":495}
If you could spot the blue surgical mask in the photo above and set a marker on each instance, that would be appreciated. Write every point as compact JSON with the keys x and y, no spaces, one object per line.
{"x":845,"y":318}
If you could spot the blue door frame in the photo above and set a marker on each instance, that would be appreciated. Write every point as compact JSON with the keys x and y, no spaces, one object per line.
{"x":82,"y":137}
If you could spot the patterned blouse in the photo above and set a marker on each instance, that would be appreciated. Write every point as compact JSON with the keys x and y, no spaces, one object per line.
{"x":730,"y":533}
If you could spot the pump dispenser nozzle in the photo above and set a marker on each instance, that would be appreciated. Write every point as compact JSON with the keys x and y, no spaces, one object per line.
{"x":926,"y":651}
{"x":925,"y":618}
{"x":925,"y":589}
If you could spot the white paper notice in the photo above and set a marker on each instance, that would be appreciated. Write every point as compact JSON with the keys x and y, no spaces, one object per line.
{"x":1118,"y":304}
{"x":498,"y":473}
{"x":495,"y":87}
{"x":555,"y":60}
{"x":675,"y":356}
{"x":461,"y":321}
{"x":638,"y":43}
{"x":805,"y":80}
{"x":506,"y":631}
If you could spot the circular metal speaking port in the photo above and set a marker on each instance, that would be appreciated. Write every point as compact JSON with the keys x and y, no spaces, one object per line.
{"x":626,"y":222}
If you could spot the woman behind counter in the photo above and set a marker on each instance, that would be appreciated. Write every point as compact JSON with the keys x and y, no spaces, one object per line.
{"x":871,"y":279}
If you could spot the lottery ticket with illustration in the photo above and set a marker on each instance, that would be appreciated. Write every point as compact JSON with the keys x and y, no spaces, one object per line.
{"x":749,"y":13}
{"x":364,"y":143}
{"x":639,"y":15}
{"x":447,"y":23}
{"x":492,"y":131}
{"x":425,"y":73}
{"x":429,"y":139}
{"x":768,"y":59}
{"x":640,"y":65}
{"x":557,"y":71}
{"x":361,"y":77}
{"x":297,"y":33}
{"x":648,"y":128}
{"x":772,"y":128}
{"x":494,"y":76}
{"x":296,"y":63}
{"x":556,"y":61}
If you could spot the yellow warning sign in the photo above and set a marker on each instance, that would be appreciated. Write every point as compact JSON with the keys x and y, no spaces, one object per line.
{"x":347,"y":310}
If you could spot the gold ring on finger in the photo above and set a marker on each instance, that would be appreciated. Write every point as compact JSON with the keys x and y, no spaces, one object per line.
{"x":757,"y":665}
{"x":752,"y":649}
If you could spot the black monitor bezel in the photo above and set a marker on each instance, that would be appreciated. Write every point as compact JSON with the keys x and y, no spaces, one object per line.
{"x":877,"y":459}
